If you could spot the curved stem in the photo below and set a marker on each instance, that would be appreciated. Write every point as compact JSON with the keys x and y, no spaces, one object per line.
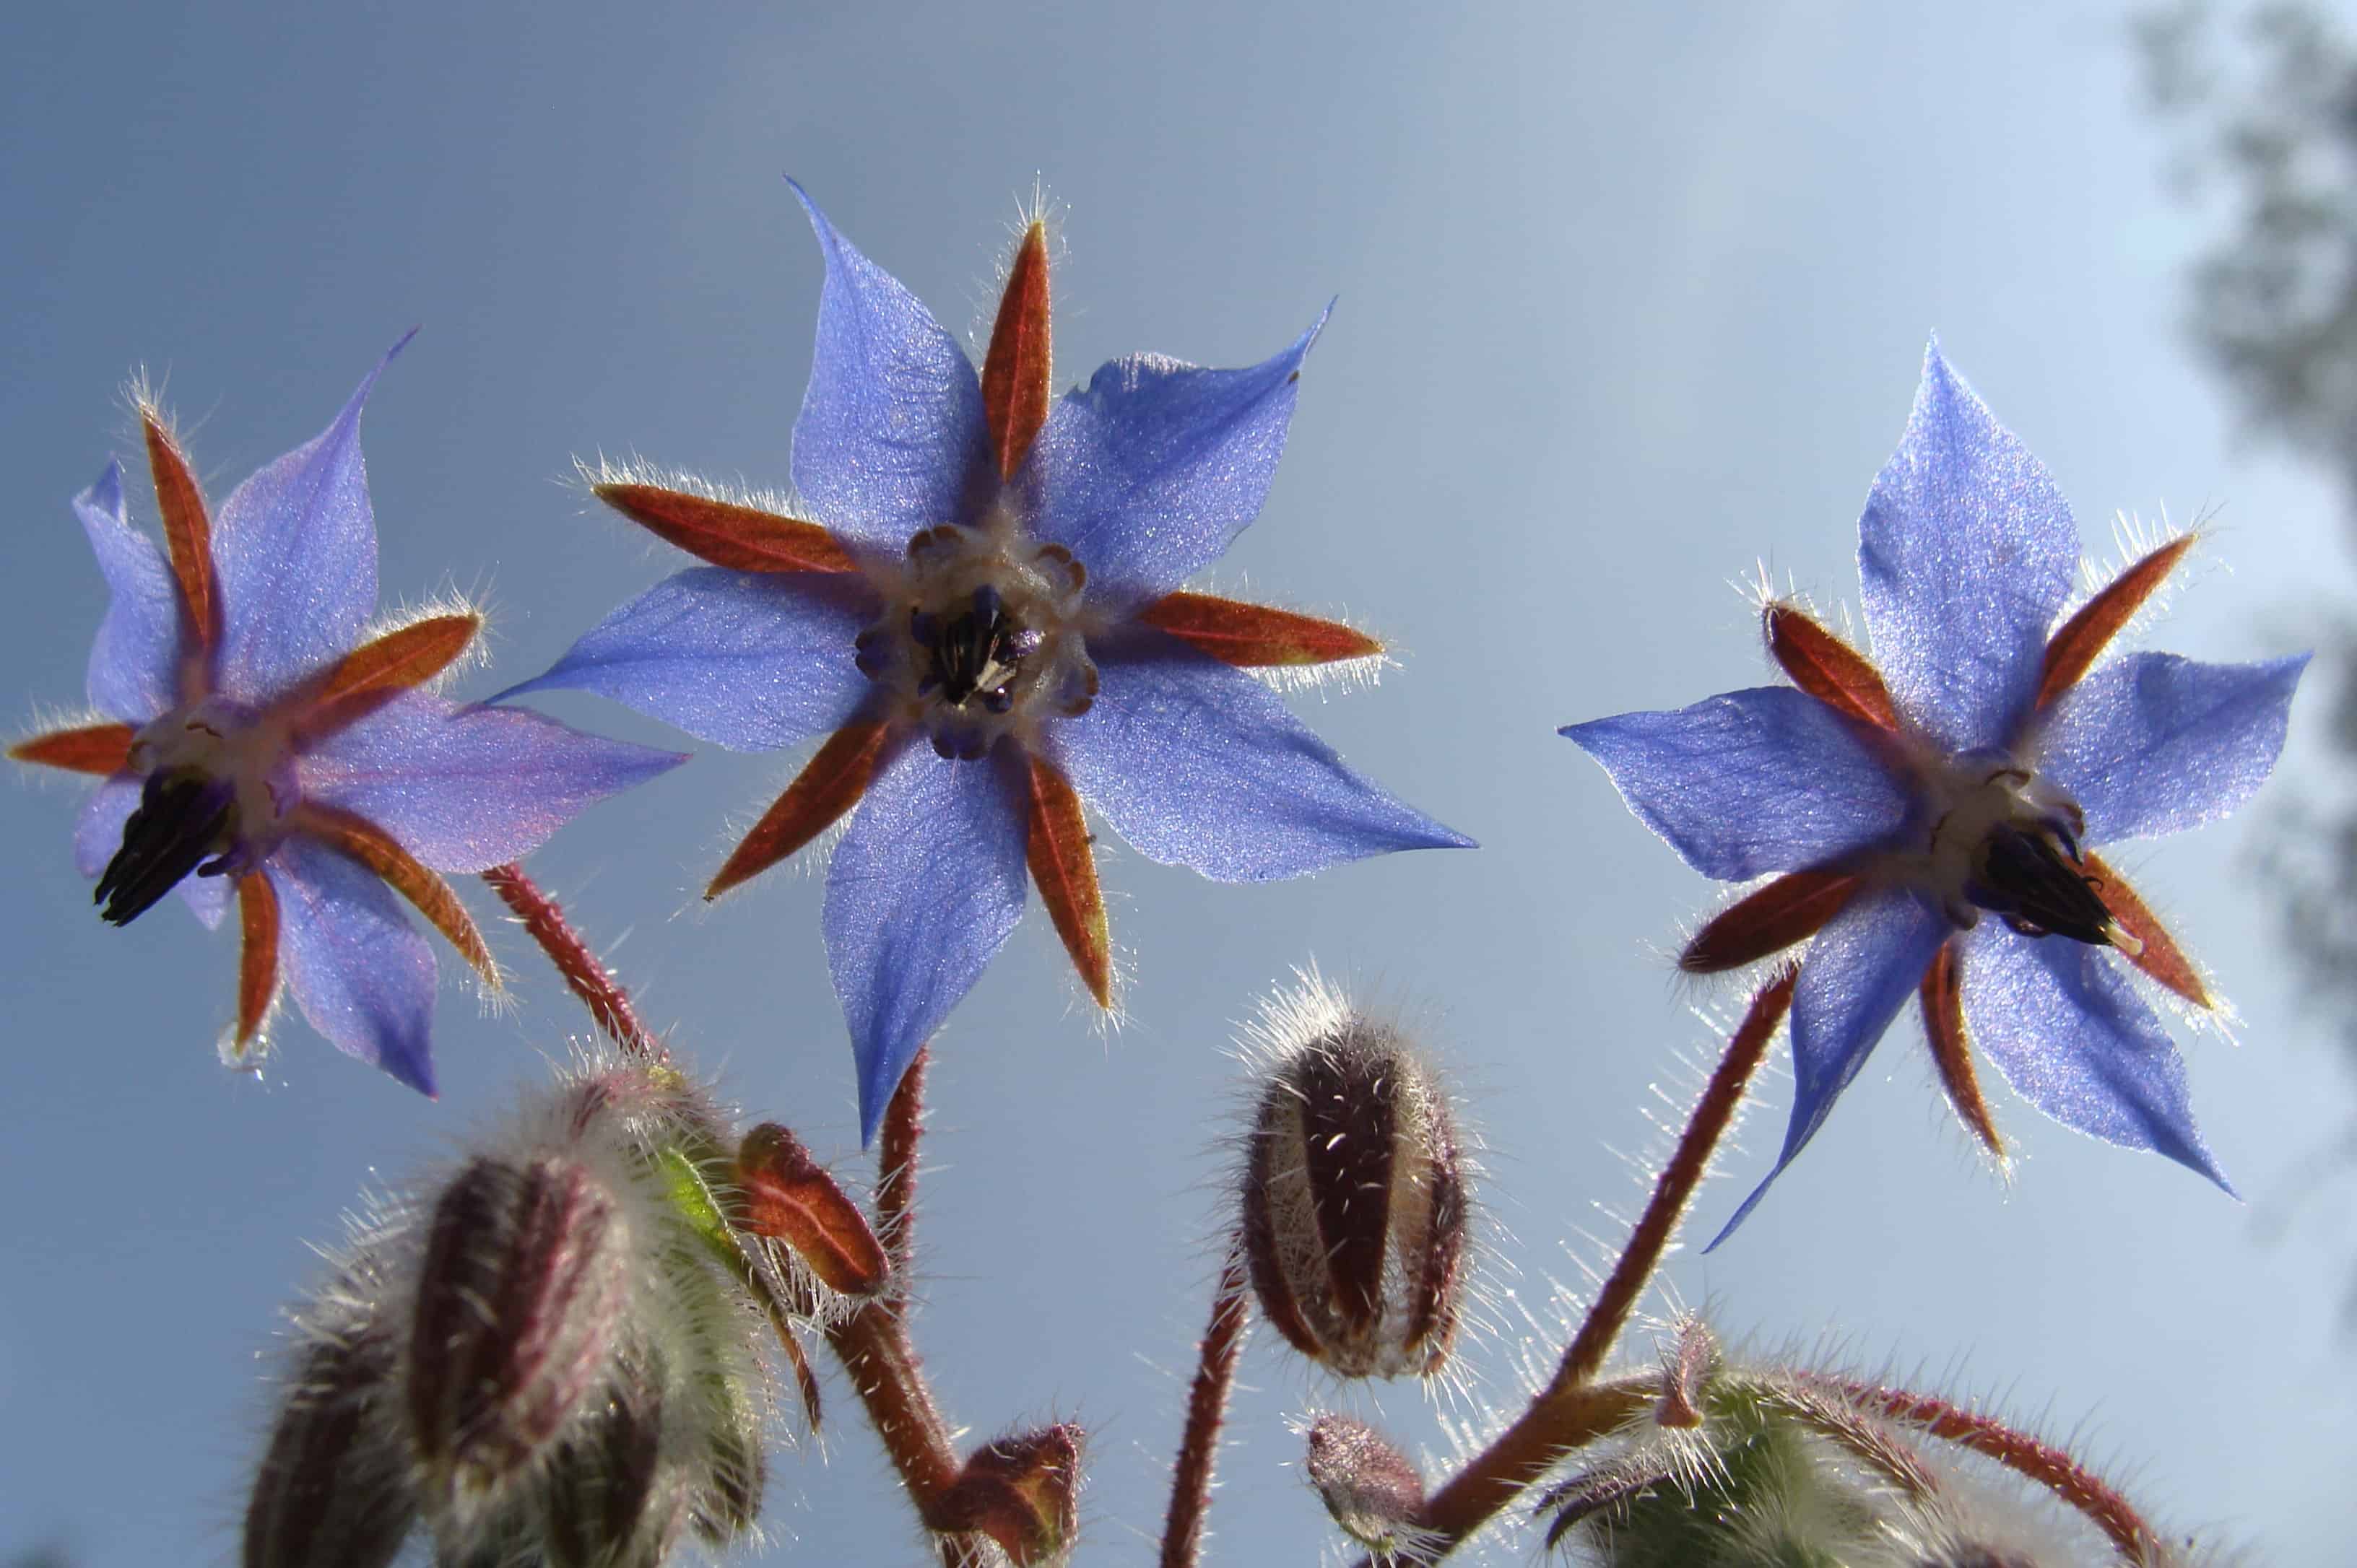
{"x":585,"y":976}
{"x":1207,"y":1406}
{"x":896,"y":1172}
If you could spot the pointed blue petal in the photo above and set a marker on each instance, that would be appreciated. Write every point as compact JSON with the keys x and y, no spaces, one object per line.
{"x":295,"y":549}
{"x":2153,"y":744}
{"x":748,"y":660}
{"x":922,"y":891}
{"x":357,"y":968}
{"x":1148,"y":473}
{"x":892,"y":438}
{"x":133,"y":665}
{"x":1199,"y":764}
{"x":1750,"y":782}
{"x":464,"y":789}
{"x":1965,"y":558}
{"x":1858,"y":974}
{"x":2065,"y":1025}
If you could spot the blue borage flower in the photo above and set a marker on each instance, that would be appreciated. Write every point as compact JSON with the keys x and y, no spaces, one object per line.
{"x":252,"y":738}
{"x":1975,"y":773}
{"x":984,"y":624}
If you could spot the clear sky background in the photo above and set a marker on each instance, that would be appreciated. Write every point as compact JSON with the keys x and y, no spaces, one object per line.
{"x":1632,"y":300}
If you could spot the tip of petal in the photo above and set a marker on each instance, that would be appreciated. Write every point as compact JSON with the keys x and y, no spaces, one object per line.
{"x":105,"y":492}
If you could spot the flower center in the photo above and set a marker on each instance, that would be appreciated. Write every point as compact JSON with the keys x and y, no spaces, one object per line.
{"x":2008,"y":842}
{"x":980,"y":636}
{"x":218,"y":788}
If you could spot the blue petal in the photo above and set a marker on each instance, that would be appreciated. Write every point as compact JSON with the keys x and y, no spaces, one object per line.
{"x":892,"y":438}
{"x":2153,"y":744}
{"x":748,"y":660}
{"x":295,"y":549}
{"x":133,"y":665}
{"x":1750,"y":782}
{"x":1964,"y":555}
{"x":98,"y":834}
{"x":1856,"y":975}
{"x":2068,"y":1030}
{"x":922,"y":891}
{"x":1199,"y":764}
{"x":469,"y":787}
{"x":1150,"y":472}
{"x":356,"y":966}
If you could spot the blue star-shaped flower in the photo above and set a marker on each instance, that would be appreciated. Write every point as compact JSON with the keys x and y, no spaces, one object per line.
{"x":253,"y":738}
{"x":985,"y":623}
{"x":1973,"y":774}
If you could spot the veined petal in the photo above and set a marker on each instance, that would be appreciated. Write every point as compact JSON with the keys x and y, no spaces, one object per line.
{"x":134,"y":663}
{"x":892,"y":438}
{"x":358,"y":969}
{"x":1148,"y":473}
{"x":2153,"y":744}
{"x":1965,"y":556}
{"x":296,"y":545}
{"x":2071,"y":1036}
{"x":749,"y":661}
{"x":1201,"y":765}
{"x":1750,"y":782}
{"x":464,"y":789}
{"x":1857,"y":973}
{"x":98,"y":834}
{"x":922,"y":891}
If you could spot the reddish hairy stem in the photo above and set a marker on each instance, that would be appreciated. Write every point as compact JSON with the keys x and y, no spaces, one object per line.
{"x":2025,"y":1455}
{"x":1573,"y":1409}
{"x":584,"y":975}
{"x":896,"y":1172}
{"x":1207,"y":1408}
{"x":874,"y":1346}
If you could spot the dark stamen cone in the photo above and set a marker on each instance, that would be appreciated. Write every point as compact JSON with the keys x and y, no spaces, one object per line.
{"x":1370,"y":1489}
{"x":180,"y":819}
{"x":333,"y":1491}
{"x":1023,"y":1492}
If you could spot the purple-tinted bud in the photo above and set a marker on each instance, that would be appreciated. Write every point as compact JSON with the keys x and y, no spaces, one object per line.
{"x":333,"y":1491}
{"x":601,"y":1509}
{"x":520,"y":1299}
{"x":1354,"y":1198}
{"x":1022,"y":1491}
{"x":1371,"y":1488}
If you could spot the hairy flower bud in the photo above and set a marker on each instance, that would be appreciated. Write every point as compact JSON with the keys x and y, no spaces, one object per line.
{"x":1354,"y":1195}
{"x":1023,"y":1491}
{"x":332,"y":1488}
{"x":1373,"y":1489}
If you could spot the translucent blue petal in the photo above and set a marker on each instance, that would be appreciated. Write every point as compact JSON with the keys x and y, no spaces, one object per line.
{"x":1149,"y":472}
{"x":1856,"y":975}
{"x":133,"y":665}
{"x":357,"y":968}
{"x":892,"y":438}
{"x":469,"y":787}
{"x":98,"y":834}
{"x":2153,"y":744}
{"x":922,"y":891}
{"x":295,"y":549}
{"x":1750,"y":782}
{"x":2064,"y":1024}
{"x":1199,"y":764}
{"x":748,"y":660}
{"x":1965,"y":556}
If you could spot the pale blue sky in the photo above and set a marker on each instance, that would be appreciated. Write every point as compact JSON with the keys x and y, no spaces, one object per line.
{"x":1632,"y":301}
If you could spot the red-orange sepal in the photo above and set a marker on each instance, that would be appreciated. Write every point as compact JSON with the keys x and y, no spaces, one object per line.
{"x":829,"y":784}
{"x":376,"y":672}
{"x":188,"y":533}
{"x":1016,"y":372}
{"x":89,"y":748}
{"x":1941,"y":996}
{"x":1064,"y":869}
{"x":1826,"y":668}
{"x":355,"y":836}
{"x":1793,"y":909}
{"x":2072,"y":651}
{"x":741,"y":538}
{"x":257,"y":971}
{"x":1255,"y":636}
{"x":791,"y":1199}
{"x":2161,"y":958}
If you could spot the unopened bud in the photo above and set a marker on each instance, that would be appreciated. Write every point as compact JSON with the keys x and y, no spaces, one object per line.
{"x":1354,"y":1198}
{"x":1371,"y":1488}
{"x":601,"y":1486}
{"x":334,"y":1485}
{"x":1023,"y":1492}
{"x":519,"y":1300}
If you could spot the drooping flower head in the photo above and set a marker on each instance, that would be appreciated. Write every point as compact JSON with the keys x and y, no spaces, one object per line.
{"x":984,"y":620}
{"x":1972,"y":774}
{"x":256,"y":738}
